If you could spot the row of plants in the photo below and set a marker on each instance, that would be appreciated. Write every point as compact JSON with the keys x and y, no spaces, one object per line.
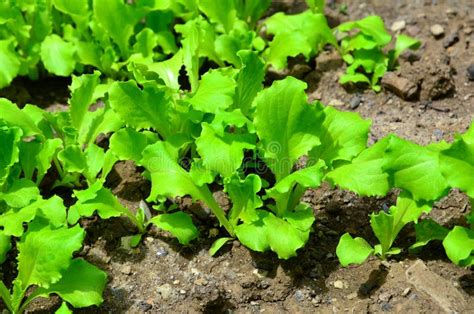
{"x":215,"y":125}
{"x":64,"y":37}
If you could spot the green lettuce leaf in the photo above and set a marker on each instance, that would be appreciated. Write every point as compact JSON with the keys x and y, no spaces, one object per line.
{"x":179,"y":224}
{"x":283,"y":106}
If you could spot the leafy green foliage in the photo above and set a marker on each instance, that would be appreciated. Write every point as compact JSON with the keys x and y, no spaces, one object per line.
{"x":305,"y":33}
{"x":45,"y":261}
{"x":386,"y":227}
{"x":193,"y":130}
{"x":425,"y":174}
{"x":363,"y":51}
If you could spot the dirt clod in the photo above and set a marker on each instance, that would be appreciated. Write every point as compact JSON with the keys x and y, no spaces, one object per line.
{"x":401,"y":86}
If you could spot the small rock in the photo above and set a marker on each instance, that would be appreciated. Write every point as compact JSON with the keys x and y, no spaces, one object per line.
{"x":201,"y":282}
{"x":400,"y":86}
{"x":386,"y":307}
{"x":98,"y":255}
{"x":398,"y":26}
{"x":413,"y":30}
{"x":451,"y":12}
{"x":338,"y":284}
{"x":355,"y":102}
{"x":126,"y":269}
{"x":144,"y":306}
{"x":299,"y":295}
{"x":161,"y":252}
{"x":253,"y":303}
{"x":351,"y":296}
{"x":336,"y":103}
{"x":182,"y":292}
{"x":260,"y":273}
{"x":328,"y":61}
{"x":264,"y":284}
{"x":451,"y":40}
{"x":470,"y":72}
{"x":165,"y":290}
{"x":176,"y":282}
{"x":449,"y":298}
{"x":385,"y":297}
{"x":468,"y":30}
{"x":406,"y":292}
{"x":437,"y":30}
{"x":438,"y":134}
{"x":316,"y":95}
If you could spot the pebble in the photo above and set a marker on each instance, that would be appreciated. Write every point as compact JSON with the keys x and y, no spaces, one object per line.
{"x":413,"y":30}
{"x":351,"y":296}
{"x":398,"y":26}
{"x":161,"y":252}
{"x":99,"y":255}
{"x":451,"y":12}
{"x":336,"y":103}
{"x":338,"y":284}
{"x":438,"y":134}
{"x":176,"y":282}
{"x":355,"y":102}
{"x":260,"y":273}
{"x":165,"y":290}
{"x":201,"y":282}
{"x":451,"y":40}
{"x":406,"y":292}
{"x":470,"y":72}
{"x":437,"y":30}
{"x":385,"y":297}
{"x":144,"y":306}
{"x":182,"y":292}
{"x":126,"y":269}
{"x":299,"y":295}
{"x":386,"y":307}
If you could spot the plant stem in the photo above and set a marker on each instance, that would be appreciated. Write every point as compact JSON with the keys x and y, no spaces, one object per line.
{"x":217,"y":210}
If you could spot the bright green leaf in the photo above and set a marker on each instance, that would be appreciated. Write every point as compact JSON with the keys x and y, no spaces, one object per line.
{"x":459,"y":246}
{"x":58,"y":55}
{"x":353,"y":250}
{"x":178,"y":224}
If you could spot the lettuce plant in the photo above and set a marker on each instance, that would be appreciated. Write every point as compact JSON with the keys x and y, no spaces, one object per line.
{"x":45,"y":252}
{"x":425,"y":174}
{"x":363,"y":50}
{"x":305,"y":33}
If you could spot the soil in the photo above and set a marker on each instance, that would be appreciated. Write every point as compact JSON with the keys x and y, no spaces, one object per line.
{"x":163,"y":276}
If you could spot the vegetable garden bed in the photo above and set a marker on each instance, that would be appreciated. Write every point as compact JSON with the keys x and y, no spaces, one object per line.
{"x":179,"y":156}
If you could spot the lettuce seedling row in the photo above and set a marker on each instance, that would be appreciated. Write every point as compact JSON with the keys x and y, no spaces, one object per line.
{"x":178,"y":89}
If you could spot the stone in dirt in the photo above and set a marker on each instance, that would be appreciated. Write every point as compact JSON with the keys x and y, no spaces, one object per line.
{"x":400,"y":86}
{"x":451,"y":40}
{"x":437,"y":30}
{"x":165,"y":291}
{"x":470,"y":72}
{"x":398,"y":26}
{"x":440,"y":290}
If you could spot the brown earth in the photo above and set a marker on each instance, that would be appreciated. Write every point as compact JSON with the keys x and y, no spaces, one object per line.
{"x":162,"y":276}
